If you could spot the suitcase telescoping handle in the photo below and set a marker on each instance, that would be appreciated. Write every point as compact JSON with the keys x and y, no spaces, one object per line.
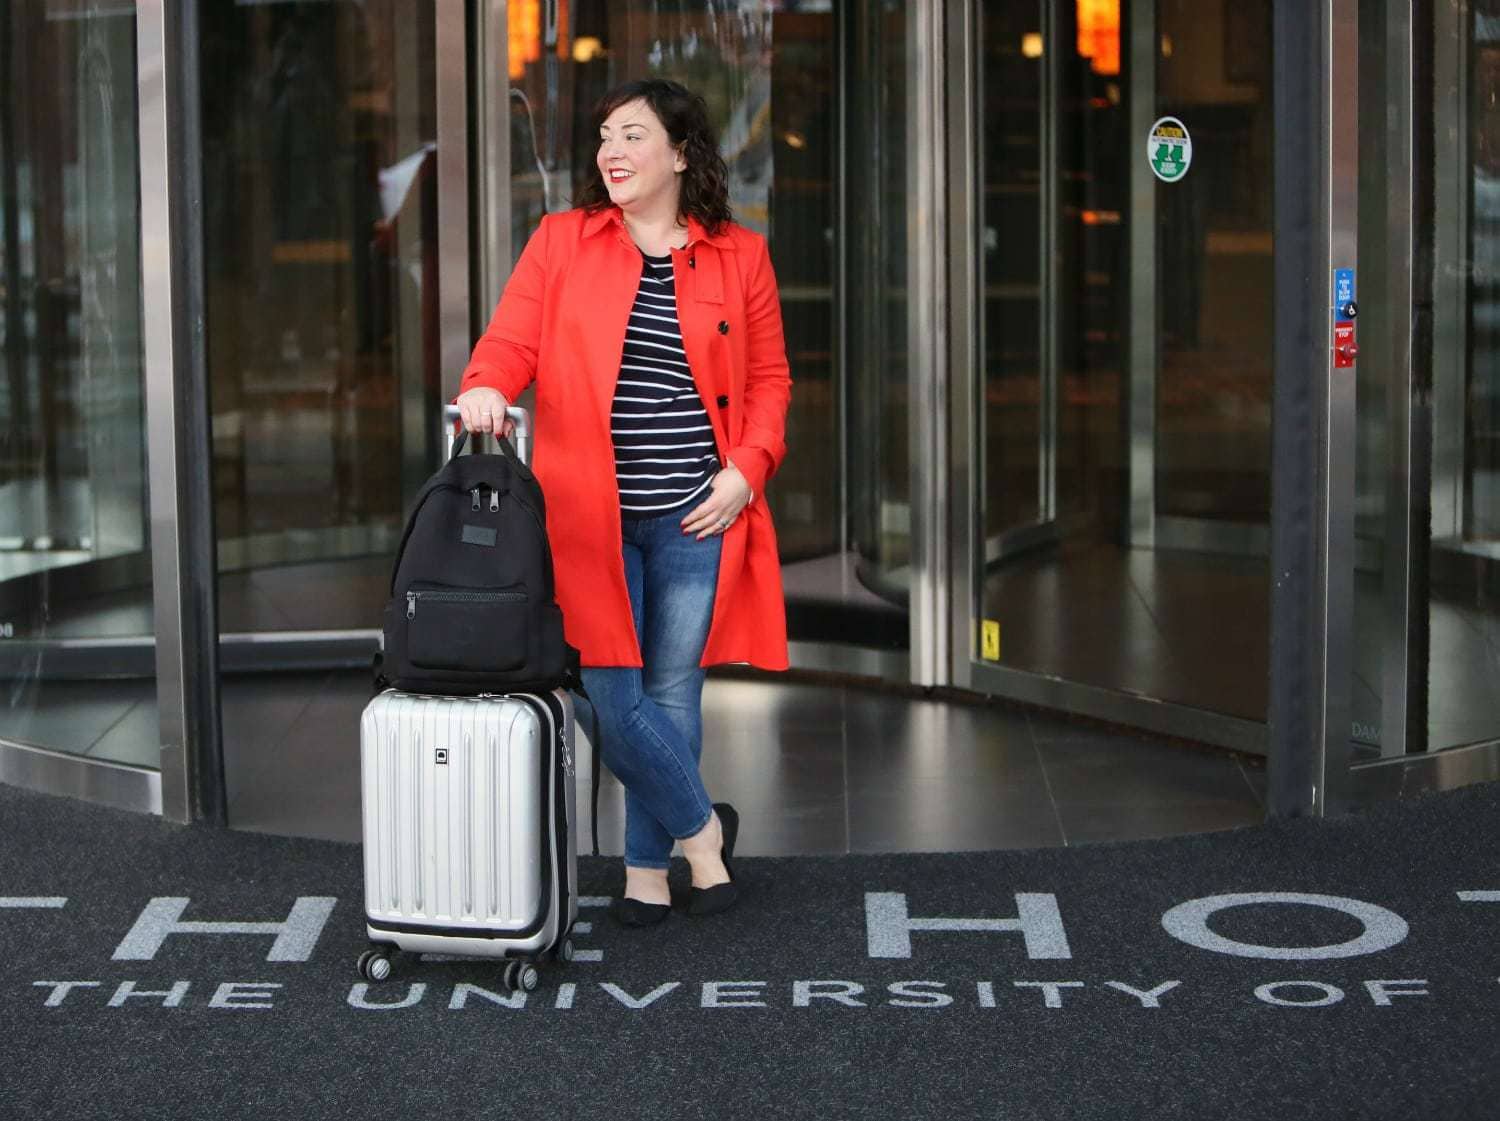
{"x":522,"y":434}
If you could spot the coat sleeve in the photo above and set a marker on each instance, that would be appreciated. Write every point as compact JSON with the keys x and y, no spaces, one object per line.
{"x":505,"y":356}
{"x":768,"y":383}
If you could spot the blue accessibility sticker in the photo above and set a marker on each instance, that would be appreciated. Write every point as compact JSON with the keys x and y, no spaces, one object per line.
{"x":1343,"y":287}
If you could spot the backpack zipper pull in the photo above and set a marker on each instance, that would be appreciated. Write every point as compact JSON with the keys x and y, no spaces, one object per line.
{"x":474,"y":494}
{"x":494,"y":501}
{"x":411,"y":605}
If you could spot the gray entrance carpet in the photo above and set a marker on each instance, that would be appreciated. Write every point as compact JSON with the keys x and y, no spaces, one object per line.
{"x":1339,"y":968}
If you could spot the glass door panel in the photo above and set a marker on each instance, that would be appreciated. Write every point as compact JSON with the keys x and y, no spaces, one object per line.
{"x":319,"y":131}
{"x":1463,"y":572}
{"x":1089,"y":307}
{"x":1213,"y":270}
{"x":877,"y":398}
{"x":1427,"y":511}
{"x":76,"y":662}
{"x":320,"y":234}
{"x":1123,"y":426}
{"x":1015,"y":406}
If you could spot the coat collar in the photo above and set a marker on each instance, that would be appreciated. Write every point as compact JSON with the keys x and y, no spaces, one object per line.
{"x":611,"y":216}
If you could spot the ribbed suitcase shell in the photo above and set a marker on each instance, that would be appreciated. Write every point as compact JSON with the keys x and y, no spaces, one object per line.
{"x":468,"y":806}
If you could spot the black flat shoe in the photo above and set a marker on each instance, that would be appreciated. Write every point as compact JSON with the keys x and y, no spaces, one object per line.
{"x":720,"y":897}
{"x":637,"y":912}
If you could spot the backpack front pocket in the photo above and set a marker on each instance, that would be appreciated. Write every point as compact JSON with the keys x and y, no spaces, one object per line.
{"x":472,"y":630}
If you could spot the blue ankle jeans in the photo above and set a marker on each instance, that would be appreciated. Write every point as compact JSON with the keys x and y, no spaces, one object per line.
{"x":651,"y":718}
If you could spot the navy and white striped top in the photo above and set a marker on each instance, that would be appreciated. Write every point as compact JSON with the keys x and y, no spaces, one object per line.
{"x":664,"y":444}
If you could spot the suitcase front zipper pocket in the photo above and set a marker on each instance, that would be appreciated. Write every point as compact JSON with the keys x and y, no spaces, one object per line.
{"x":471,"y":630}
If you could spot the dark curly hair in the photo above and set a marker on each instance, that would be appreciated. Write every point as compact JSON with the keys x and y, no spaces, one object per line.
{"x":684,"y":114}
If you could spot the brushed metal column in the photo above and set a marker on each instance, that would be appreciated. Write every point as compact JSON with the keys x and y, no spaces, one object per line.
{"x":1315,"y":49}
{"x":1053,"y":49}
{"x":927,"y":339}
{"x":417,"y":419}
{"x":1337,"y":487}
{"x":1450,"y":327}
{"x":1405,"y":424}
{"x":845,"y":67}
{"x":492,"y":159}
{"x":1145,"y":315}
{"x":966,"y":457}
{"x":178,"y":446}
{"x":455,"y":310}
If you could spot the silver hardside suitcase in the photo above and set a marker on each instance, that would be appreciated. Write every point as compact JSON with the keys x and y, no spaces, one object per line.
{"x":469,"y":841}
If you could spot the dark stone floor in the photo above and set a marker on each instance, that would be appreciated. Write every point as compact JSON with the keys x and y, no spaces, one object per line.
{"x":813,"y":768}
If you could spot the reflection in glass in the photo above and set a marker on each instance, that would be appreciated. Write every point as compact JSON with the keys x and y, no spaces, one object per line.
{"x":74,"y":552}
{"x":1213,"y":445}
{"x":1464,"y":624}
{"x":1010,"y":147}
{"x":879,"y":388}
{"x":803,"y":123}
{"x":319,"y":187}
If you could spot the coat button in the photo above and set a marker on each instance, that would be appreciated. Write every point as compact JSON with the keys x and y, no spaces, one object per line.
{"x":723,"y":327}
{"x":692,"y":262}
{"x":723,"y":401}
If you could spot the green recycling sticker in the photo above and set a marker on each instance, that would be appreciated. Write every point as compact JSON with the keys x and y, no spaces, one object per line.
{"x":1170,"y":149}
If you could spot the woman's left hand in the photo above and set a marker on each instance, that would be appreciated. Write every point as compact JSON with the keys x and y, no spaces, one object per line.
{"x":729,"y":494}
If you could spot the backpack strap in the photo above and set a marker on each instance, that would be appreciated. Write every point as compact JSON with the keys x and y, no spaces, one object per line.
{"x":573,"y":680}
{"x":575,"y":683}
{"x":594,"y":776}
{"x":502,"y":448}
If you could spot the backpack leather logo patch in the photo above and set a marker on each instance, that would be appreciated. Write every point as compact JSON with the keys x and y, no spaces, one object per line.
{"x":479,"y":534}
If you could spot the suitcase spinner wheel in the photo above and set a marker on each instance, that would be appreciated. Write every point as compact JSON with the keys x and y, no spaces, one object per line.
{"x":520,"y":975}
{"x":375,"y":964}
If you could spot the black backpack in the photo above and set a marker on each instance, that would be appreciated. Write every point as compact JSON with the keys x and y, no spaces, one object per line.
{"x":472,"y":608}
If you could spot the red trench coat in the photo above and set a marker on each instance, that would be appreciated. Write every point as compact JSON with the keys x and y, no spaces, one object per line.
{"x":561,"y":321}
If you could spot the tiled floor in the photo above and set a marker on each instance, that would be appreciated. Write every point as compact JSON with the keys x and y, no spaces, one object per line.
{"x":812,"y":768}
{"x":113,"y":720}
{"x":1194,"y":629}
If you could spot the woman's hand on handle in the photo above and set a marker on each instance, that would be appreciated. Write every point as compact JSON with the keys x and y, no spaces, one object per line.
{"x":483,"y":410}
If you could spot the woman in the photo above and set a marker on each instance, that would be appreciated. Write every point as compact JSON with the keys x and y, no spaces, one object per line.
{"x":652,"y":326}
